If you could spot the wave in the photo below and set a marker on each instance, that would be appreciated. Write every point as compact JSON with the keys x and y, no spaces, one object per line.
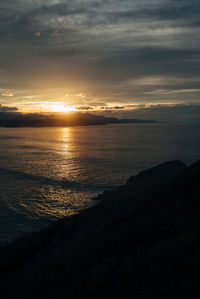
{"x":42,"y":180}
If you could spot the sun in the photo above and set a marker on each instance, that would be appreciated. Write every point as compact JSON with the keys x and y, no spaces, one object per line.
{"x":60,"y":107}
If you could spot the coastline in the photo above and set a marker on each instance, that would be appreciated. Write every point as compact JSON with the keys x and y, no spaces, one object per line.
{"x":79,"y":124}
{"x":136,"y":241}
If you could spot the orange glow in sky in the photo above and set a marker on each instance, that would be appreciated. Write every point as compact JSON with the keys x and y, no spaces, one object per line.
{"x":59,"y":107}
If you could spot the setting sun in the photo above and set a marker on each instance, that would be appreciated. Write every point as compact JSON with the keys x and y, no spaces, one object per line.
{"x":60,"y":107}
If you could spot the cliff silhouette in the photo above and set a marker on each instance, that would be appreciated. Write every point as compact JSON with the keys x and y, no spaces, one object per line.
{"x":141,"y":240}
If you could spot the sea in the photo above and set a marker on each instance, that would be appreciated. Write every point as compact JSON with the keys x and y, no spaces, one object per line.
{"x":49,"y":173}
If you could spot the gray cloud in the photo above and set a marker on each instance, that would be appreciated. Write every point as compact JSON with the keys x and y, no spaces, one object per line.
{"x":85,"y":108}
{"x":112,"y":108}
{"x":112,"y":49}
{"x":179,"y":112}
{"x":163,"y":112}
{"x":7,"y":109}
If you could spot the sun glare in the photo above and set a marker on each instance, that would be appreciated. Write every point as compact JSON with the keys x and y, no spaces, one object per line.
{"x":60,"y":107}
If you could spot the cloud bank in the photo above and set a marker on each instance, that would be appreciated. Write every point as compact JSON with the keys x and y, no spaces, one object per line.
{"x":114,"y":52}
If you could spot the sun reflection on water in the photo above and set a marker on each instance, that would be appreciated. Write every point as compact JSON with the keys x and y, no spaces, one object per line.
{"x":66,"y":138}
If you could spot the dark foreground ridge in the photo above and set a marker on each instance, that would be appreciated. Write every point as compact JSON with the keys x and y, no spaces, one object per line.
{"x":141,"y":241}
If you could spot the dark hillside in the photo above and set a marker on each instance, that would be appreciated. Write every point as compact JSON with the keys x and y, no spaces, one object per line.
{"x":141,"y":241}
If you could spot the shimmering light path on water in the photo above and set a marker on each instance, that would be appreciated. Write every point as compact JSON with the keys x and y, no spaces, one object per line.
{"x":47,"y":173}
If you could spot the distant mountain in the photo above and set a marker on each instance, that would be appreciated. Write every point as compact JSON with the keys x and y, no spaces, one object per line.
{"x":16,"y":119}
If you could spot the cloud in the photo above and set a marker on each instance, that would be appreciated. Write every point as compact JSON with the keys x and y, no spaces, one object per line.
{"x":7,"y":94}
{"x":119,"y":52}
{"x":8,"y":109}
{"x":171,"y":91}
{"x":112,"y":108}
{"x":81,"y":95}
{"x":84,"y":108}
{"x":187,"y":113}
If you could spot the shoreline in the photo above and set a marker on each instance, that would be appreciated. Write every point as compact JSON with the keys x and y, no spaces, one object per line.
{"x":148,"y":222}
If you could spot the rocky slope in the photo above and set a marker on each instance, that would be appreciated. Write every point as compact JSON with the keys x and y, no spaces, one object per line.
{"x":140,"y":241}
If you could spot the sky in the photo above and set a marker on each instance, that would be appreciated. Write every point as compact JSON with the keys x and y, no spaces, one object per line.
{"x":122,"y":58}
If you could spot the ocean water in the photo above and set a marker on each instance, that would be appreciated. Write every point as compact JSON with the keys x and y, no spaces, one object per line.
{"x":48,"y":173}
